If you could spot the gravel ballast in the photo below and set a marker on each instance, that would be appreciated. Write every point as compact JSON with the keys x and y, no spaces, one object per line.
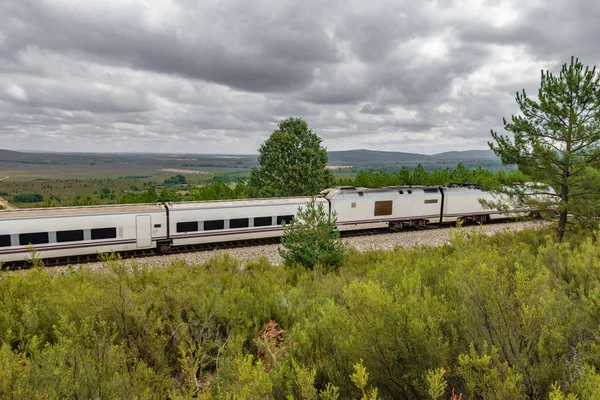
{"x":384,"y":241}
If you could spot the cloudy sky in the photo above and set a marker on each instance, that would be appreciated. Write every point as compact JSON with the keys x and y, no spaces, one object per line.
{"x":216,"y":76}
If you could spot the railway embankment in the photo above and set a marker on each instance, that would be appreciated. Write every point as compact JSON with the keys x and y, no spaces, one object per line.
{"x":383,"y":241}
{"x":7,"y":205}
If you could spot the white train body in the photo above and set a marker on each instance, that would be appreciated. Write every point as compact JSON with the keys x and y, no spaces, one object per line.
{"x":71,"y":231}
{"x":398,"y":206}
{"x":220,"y":221}
{"x":363,"y":208}
{"x":463,"y":202}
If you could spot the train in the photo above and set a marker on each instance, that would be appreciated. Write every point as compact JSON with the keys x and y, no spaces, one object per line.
{"x":71,"y":231}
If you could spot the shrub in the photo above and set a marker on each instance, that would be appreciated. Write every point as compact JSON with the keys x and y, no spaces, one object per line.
{"x":28,"y":198}
{"x":511,"y":316}
{"x":311,"y":238}
{"x":175,"y":180}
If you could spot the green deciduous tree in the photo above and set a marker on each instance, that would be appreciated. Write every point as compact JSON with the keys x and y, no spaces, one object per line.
{"x":176,"y":179}
{"x":292,"y":163}
{"x":218,"y":190}
{"x":311,"y":238}
{"x":556,"y":142}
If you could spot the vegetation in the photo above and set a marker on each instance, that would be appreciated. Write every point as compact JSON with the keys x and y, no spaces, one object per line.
{"x":311,"y":238}
{"x":213,"y":191}
{"x":219,"y":191}
{"x":556,"y":143}
{"x":176,"y":180}
{"x":511,"y":316}
{"x":28,"y":198}
{"x":420,"y":176}
{"x":292,"y":163}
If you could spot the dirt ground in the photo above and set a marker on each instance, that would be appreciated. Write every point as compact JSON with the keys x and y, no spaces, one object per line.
{"x":6,"y":204}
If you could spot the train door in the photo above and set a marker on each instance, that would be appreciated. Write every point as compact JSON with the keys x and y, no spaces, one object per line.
{"x":143,"y":231}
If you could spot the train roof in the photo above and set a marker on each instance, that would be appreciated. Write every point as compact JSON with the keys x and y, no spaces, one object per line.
{"x":82,"y":210}
{"x":275,"y":201}
{"x":332,"y":192}
{"x":352,"y":190}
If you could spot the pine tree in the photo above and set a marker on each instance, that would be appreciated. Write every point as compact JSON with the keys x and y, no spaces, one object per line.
{"x":555,"y":143}
{"x":311,"y":238}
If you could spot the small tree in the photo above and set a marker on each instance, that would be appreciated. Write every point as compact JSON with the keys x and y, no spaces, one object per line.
{"x":292,"y":163}
{"x":556,"y":143}
{"x":311,"y":238}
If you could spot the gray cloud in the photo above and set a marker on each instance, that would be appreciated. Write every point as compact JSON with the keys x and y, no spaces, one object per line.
{"x":369,"y":108}
{"x":218,"y":76}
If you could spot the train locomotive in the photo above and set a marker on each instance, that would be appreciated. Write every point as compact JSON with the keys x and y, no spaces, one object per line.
{"x":71,"y":231}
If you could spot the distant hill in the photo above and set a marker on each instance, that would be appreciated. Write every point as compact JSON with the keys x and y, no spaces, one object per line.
{"x":356,"y":158}
{"x":466,"y":155}
{"x":361,"y":157}
{"x":11,"y":156}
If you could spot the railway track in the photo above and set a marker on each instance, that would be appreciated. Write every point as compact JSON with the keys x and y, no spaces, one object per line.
{"x":90,"y":258}
{"x":207,"y":247}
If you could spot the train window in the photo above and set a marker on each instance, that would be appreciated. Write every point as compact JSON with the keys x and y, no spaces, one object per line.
{"x":214,"y":225}
{"x":383,"y":207}
{"x":239,"y":223}
{"x":104,"y":233}
{"x":353,"y":204}
{"x":431,"y":190}
{"x":431,"y":201}
{"x":361,"y":194}
{"x":187,"y":226}
{"x":69,"y":236}
{"x":4,"y":240}
{"x":157,"y":225}
{"x":284,"y":218}
{"x":263,"y":221}
{"x":33,"y":238}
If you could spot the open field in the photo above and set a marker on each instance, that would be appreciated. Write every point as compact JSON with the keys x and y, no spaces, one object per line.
{"x":59,"y":192}
{"x":64,"y":179}
{"x":185,"y":171}
{"x":19,"y":166}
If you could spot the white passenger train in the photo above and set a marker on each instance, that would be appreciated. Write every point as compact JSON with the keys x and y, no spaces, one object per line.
{"x":69,"y":231}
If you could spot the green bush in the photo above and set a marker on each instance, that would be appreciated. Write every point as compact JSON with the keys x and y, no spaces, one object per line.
{"x":28,"y":198}
{"x":176,"y":180}
{"x":509,"y":316}
{"x":311,"y":238}
{"x":218,"y":190}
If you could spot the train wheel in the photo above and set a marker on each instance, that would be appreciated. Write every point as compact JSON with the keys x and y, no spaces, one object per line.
{"x":164,"y":247}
